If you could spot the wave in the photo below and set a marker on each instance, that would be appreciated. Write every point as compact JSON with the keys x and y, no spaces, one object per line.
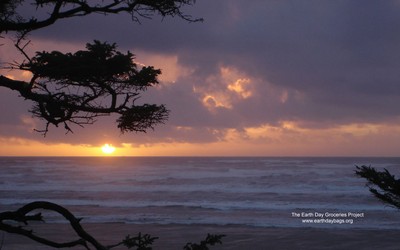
{"x":247,"y":191}
{"x":208,"y":205}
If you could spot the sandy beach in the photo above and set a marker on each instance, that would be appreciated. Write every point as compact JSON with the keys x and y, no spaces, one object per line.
{"x":238,"y":237}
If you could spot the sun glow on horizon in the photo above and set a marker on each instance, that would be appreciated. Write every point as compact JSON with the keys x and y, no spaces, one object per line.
{"x":108,"y":149}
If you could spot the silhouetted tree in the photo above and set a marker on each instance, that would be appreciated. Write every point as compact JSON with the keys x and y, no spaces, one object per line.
{"x":75,"y":88}
{"x":11,"y":19}
{"x":17,"y":222}
{"x":382,"y":184}
{"x":211,"y":240}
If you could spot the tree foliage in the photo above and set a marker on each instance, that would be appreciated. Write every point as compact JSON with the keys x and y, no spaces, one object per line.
{"x":382,"y":184}
{"x":75,"y":88}
{"x":211,"y":240}
{"x":11,"y":19}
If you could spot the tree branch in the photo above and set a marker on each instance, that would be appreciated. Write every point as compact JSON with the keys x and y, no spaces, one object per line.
{"x":140,"y":241}
{"x":77,"y":88}
{"x":383,"y":184}
{"x":82,"y":8}
{"x":21,"y":215}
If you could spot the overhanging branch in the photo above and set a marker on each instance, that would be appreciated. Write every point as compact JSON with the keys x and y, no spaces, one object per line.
{"x":76,"y":88}
{"x":21,"y":215}
{"x":66,"y":9}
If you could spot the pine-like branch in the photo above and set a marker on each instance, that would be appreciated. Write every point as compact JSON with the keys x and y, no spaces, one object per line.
{"x":382,"y":184}
{"x":75,"y":89}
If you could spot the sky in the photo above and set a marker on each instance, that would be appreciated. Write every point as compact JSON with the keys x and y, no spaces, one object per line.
{"x":255,"y":78}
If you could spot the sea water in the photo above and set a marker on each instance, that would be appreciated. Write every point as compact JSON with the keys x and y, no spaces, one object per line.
{"x":259,"y":192}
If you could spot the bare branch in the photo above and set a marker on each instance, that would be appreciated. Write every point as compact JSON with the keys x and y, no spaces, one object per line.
{"x":22,"y":49}
{"x":84,"y":238}
{"x":21,"y":215}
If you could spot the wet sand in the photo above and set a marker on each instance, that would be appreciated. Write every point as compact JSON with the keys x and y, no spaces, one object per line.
{"x":238,"y":237}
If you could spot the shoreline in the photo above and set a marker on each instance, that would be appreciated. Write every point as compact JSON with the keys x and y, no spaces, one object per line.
{"x":175,"y":236}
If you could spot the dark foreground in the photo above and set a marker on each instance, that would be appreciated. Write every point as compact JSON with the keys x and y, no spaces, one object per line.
{"x":238,"y":237}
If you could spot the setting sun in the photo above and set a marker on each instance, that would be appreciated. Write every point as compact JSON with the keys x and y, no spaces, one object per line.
{"x":108,"y":149}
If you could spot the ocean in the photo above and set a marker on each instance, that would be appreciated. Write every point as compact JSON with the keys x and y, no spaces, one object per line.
{"x":254,"y":192}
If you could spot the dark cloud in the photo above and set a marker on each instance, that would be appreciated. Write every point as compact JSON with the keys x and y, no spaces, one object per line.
{"x":316,"y":62}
